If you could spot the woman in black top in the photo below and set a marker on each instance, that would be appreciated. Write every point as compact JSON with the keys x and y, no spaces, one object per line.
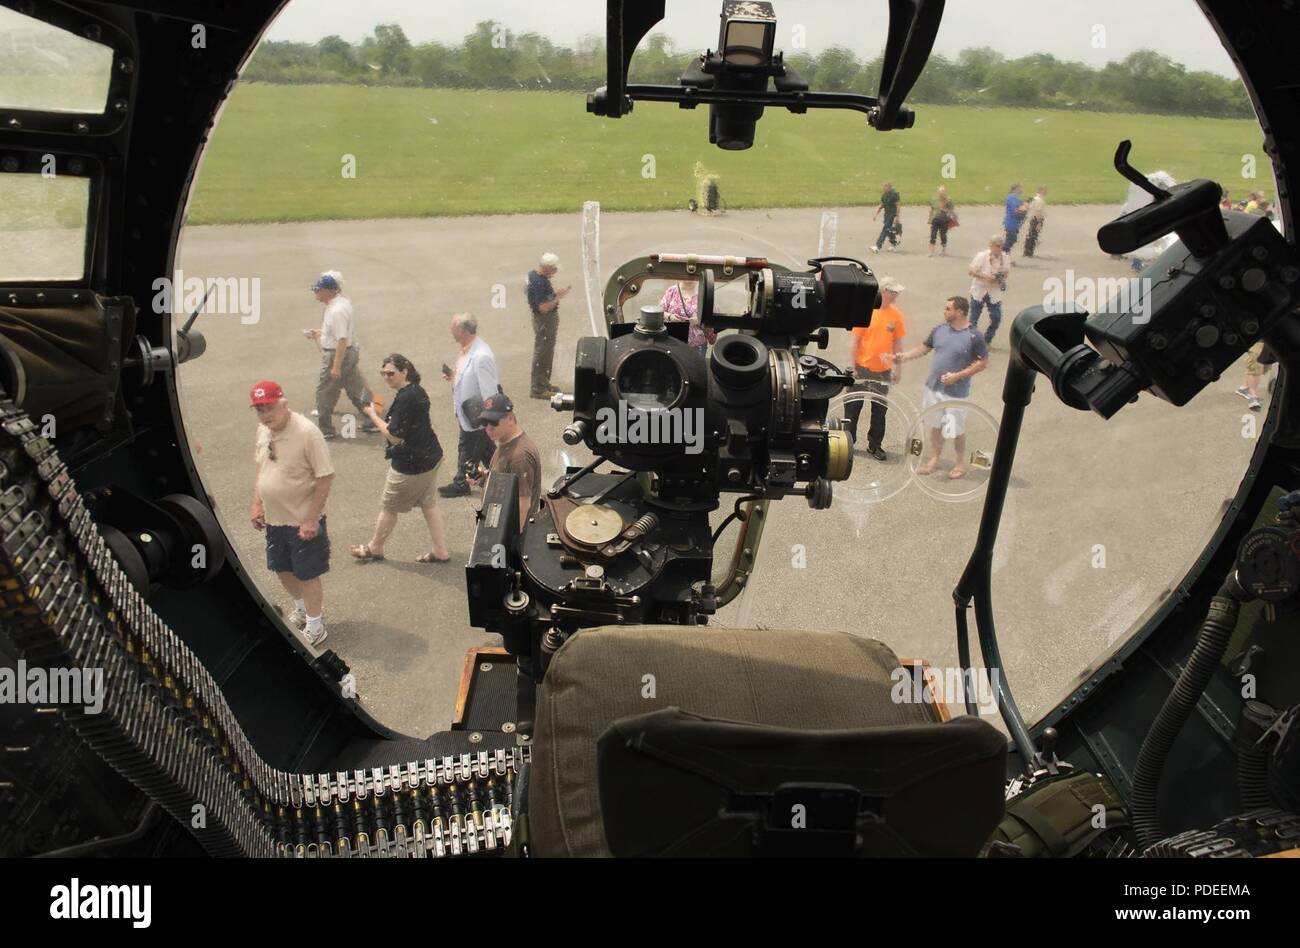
{"x":414,"y":454}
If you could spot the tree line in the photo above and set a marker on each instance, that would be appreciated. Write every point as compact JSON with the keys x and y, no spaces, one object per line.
{"x":491,"y":57}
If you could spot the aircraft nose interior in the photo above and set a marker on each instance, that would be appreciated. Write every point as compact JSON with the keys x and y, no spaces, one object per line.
{"x":617,"y":697}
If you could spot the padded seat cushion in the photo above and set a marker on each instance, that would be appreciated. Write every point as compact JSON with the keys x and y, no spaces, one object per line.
{"x":792,"y":679}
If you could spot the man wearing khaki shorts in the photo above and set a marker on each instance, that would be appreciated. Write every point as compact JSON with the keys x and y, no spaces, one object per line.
{"x":1255,"y":370}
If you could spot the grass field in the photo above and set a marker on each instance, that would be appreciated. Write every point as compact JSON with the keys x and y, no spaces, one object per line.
{"x":277,"y":155}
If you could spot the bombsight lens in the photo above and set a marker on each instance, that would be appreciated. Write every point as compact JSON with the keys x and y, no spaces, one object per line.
{"x":648,"y":380}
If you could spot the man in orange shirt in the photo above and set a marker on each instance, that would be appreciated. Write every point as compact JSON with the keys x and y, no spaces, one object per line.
{"x":885,"y":334}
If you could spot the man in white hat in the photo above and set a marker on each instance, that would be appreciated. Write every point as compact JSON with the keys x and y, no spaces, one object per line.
{"x":871,"y":365}
{"x":544,"y":301}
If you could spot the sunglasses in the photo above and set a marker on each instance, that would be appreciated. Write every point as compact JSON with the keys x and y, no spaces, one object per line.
{"x":270,"y":450}
{"x":388,"y":375}
{"x":489,"y":423}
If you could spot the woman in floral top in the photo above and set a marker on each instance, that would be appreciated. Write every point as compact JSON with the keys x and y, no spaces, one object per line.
{"x":680,"y":306}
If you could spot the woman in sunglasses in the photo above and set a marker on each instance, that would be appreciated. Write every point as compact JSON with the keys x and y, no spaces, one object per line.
{"x":414,"y":453}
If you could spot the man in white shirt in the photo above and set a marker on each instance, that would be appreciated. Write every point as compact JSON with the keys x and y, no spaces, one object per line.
{"x":472,"y":381}
{"x":340,"y":355}
{"x":988,"y":272}
{"x":1037,"y":207}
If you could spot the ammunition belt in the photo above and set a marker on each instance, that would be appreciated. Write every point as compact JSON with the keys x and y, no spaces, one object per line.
{"x":165,"y":724}
{"x":1257,"y":833}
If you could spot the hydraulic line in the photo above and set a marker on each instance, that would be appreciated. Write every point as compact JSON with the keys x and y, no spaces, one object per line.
{"x":1211,"y":644}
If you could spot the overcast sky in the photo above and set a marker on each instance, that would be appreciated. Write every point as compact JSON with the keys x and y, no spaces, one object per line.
{"x":1066,"y":28}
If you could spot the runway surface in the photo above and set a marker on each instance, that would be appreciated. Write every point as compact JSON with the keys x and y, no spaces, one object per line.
{"x":1102,"y":518}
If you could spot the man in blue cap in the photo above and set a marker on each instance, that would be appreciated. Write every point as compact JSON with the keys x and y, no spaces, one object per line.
{"x":340,"y":355}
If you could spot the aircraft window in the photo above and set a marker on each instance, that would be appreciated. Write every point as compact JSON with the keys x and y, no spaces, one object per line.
{"x":428,"y":166}
{"x":47,"y":69}
{"x":43,"y":220}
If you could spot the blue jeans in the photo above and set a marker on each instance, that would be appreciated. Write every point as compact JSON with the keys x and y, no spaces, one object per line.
{"x":888,"y":231}
{"x":995,"y":315}
{"x":1013,"y":234}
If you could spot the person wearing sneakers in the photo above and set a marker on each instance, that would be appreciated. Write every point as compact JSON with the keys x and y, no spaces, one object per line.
{"x":472,"y":381}
{"x":1255,"y":370}
{"x":340,"y":354}
{"x":414,"y":454}
{"x":544,"y":301}
{"x":294,"y":474}
{"x":515,"y":453}
{"x":891,"y":229}
{"x":885,"y":334}
{"x":959,"y":352}
{"x":988,"y":271}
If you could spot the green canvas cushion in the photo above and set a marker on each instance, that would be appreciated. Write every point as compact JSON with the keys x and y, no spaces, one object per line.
{"x":792,"y":679}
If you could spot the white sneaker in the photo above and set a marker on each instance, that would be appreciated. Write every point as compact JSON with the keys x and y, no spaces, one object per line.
{"x":298,"y":619}
{"x":315,"y":638}
{"x":1244,"y":393}
{"x":891,"y":248}
{"x":875,"y":249}
{"x":1253,"y":404}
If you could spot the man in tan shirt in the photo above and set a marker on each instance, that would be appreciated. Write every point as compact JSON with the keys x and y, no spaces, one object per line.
{"x":294,"y":475}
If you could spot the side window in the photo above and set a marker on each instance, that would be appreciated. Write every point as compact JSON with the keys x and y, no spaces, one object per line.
{"x":43,"y":223}
{"x":47,"y":69}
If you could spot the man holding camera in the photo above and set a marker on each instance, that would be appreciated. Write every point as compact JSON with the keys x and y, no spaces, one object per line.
{"x":988,"y":271}
{"x":515,"y":453}
{"x":544,"y":301}
{"x":472,"y":381}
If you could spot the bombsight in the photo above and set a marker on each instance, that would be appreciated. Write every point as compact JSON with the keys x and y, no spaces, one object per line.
{"x":748,"y":417}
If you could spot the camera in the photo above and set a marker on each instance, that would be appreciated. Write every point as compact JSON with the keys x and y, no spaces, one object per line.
{"x":635,"y":545}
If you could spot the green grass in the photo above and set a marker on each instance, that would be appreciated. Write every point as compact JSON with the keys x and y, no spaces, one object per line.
{"x":276,"y":155}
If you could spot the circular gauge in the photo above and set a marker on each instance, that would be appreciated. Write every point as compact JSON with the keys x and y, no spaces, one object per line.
{"x":593,"y":524}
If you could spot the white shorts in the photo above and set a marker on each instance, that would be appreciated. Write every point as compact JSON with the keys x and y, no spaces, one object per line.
{"x":951,"y":421}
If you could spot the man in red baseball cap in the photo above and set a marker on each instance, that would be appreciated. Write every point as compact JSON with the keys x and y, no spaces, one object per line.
{"x":294,"y":474}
